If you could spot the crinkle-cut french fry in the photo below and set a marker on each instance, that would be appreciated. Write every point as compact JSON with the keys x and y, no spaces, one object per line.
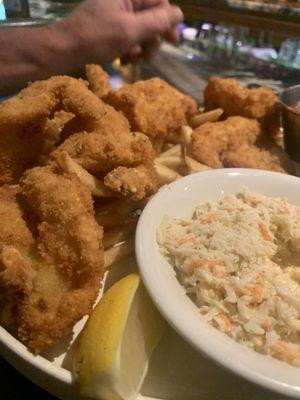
{"x":117,"y":235}
{"x":170,"y":162}
{"x":96,"y":187}
{"x":195,"y":166}
{"x":209,"y":116}
{"x":118,"y":212}
{"x":117,"y":253}
{"x":158,"y":143}
{"x":165,"y":174}
{"x":173,"y":151}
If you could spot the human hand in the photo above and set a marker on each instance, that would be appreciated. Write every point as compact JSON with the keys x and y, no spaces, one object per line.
{"x":105,"y":29}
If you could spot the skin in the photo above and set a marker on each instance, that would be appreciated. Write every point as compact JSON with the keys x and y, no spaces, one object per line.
{"x":96,"y":32}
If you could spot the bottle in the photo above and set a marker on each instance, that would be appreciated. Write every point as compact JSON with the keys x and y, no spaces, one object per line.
{"x":16,"y":8}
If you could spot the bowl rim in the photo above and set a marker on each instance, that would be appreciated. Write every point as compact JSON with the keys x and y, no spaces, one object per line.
{"x":153,"y":289}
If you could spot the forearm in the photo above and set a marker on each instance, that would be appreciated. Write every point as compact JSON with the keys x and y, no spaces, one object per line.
{"x":28,"y":54}
{"x":96,"y":32}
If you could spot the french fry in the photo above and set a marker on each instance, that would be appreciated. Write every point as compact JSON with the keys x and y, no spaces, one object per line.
{"x":167,"y":146}
{"x":117,"y":253}
{"x":186,"y":133}
{"x":117,"y":213}
{"x":170,"y":162}
{"x":173,"y":151}
{"x":174,"y":137}
{"x":158,"y":143}
{"x":117,"y":235}
{"x":195,"y":166}
{"x":96,"y":187}
{"x":165,"y":174}
{"x":209,"y":116}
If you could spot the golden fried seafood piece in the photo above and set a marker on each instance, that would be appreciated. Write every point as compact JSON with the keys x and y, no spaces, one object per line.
{"x":272,"y":158}
{"x":98,"y":80}
{"x":152,"y":106}
{"x":52,"y":131}
{"x":57,"y":283}
{"x":14,"y":229}
{"x":19,"y":150}
{"x":132,"y":183}
{"x":211,"y":140}
{"x":261,"y":104}
{"x":25,"y":121}
{"x":97,"y":152}
{"x":72,"y":95}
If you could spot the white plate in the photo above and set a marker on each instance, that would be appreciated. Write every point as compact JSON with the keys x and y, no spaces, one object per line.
{"x":179,"y":199}
{"x":176,"y":372}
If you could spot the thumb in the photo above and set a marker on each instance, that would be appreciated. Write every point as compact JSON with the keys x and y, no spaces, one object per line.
{"x":155,"y":21}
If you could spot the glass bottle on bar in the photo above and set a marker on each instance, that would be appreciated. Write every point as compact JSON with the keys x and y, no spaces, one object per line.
{"x":16,"y":8}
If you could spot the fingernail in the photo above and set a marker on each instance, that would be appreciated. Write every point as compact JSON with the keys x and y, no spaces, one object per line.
{"x":177,"y":13}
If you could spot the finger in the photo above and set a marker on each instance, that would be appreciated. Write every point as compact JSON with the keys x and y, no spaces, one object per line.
{"x":129,"y":5}
{"x":135,"y":50}
{"x":172,"y":35}
{"x":155,"y":21}
{"x":139,"y":5}
{"x":132,"y":56}
{"x":150,"y":48}
{"x":135,"y":54}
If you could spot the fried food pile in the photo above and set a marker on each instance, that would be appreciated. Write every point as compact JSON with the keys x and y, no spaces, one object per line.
{"x":153,"y":107}
{"x":77,"y":159}
{"x":238,"y":142}
{"x":246,"y":137}
{"x":51,"y":255}
{"x":260,"y":103}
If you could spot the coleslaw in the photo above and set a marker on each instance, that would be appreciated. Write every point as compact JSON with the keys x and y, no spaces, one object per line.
{"x":239,"y":260}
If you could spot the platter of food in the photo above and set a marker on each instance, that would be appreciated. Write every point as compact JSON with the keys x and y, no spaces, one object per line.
{"x":78,"y":164}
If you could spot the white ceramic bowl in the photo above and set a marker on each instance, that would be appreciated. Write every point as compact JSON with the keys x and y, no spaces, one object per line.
{"x":179,"y":199}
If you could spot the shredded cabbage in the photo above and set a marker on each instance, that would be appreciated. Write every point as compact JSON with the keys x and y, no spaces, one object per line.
{"x":238,"y":259}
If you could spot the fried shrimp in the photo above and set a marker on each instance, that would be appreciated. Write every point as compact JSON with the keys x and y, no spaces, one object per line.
{"x":153,"y":107}
{"x":53,"y":273}
{"x":52,"y":130}
{"x":271,"y":158}
{"x":134,"y":183}
{"x":238,"y":142}
{"x":234,"y":99}
{"x":211,"y":140}
{"x":98,"y":153}
{"x":98,"y":80}
{"x":124,"y":160}
{"x":28,"y":120}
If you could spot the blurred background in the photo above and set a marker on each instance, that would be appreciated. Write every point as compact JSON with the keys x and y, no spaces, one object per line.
{"x":256,"y":41}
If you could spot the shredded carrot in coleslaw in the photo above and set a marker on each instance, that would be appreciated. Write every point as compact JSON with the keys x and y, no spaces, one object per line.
{"x":236,"y":257}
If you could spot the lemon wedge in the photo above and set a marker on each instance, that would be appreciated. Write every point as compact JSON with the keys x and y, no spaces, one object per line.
{"x":115,"y":346}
